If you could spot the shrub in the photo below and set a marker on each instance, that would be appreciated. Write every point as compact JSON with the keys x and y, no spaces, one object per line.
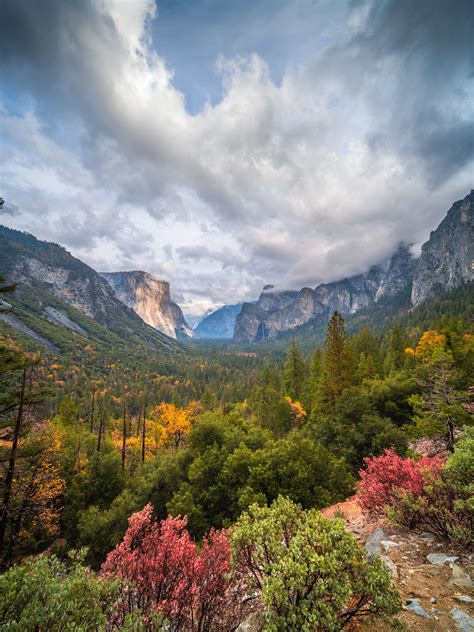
{"x":43,"y":594}
{"x":310,"y":574}
{"x":442,"y":508}
{"x":163,"y":572}
{"x":446,"y":504}
{"x":388,"y":477}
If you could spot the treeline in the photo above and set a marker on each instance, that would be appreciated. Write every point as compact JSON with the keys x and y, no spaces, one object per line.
{"x":89,"y":439}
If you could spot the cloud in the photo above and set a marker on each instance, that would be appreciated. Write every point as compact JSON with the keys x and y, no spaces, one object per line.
{"x":291,"y":175}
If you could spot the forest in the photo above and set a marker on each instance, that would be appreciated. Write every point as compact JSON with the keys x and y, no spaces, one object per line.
{"x":181,"y":491}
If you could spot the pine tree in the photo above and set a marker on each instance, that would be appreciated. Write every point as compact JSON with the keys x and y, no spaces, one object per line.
{"x":311,"y":387}
{"x":339,"y":364}
{"x":396,"y":351}
{"x":294,"y":373}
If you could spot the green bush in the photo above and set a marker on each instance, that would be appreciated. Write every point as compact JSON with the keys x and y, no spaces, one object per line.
{"x":310,"y":573}
{"x":43,"y":594}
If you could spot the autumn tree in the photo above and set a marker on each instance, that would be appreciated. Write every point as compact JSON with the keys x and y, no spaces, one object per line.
{"x":173,"y":423}
{"x":162,"y":571}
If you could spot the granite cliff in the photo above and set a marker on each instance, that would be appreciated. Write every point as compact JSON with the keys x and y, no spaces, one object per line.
{"x":446,"y":263}
{"x":276,"y":312}
{"x":447,"y":258}
{"x":50,"y":281}
{"x":150,"y":298}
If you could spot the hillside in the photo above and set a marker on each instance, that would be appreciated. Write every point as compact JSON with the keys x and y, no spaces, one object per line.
{"x":62,"y":299}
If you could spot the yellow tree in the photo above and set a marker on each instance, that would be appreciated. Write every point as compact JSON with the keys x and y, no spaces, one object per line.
{"x":172,"y":422}
{"x":297,"y":412}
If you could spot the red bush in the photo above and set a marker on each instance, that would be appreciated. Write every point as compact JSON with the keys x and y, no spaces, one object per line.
{"x":165,"y":573}
{"x":387,"y":476}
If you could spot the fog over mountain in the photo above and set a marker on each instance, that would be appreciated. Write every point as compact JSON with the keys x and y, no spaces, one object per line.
{"x":286,"y":143}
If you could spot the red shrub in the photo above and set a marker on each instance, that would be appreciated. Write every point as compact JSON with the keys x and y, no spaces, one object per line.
{"x":389,"y":475}
{"x":165,"y":573}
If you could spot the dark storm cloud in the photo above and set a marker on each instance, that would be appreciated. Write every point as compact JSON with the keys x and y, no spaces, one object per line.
{"x":431,"y":116}
{"x":349,"y":131}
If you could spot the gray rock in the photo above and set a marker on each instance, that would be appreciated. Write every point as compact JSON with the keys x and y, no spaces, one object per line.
{"x":279,"y":311}
{"x":253,"y":623}
{"x":374,"y":541}
{"x":433,"y":599}
{"x":462,"y":621}
{"x":460,"y":578}
{"x":440,"y":559}
{"x":446,"y":258}
{"x":219,"y":324}
{"x":389,"y":544}
{"x":414,"y":605}
{"x":392,"y":567}
{"x":427,"y":535}
{"x":464,"y":598}
{"x":150,"y":298}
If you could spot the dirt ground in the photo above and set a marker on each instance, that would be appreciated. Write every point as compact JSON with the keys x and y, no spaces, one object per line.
{"x":437,"y":589}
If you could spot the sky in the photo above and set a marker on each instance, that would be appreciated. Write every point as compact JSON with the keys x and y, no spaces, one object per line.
{"x":223,"y":145}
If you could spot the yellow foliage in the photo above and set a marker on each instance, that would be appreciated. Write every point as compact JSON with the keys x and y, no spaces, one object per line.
{"x":410,"y":352}
{"x":298,"y":413}
{"x":430,"y":341}
{"x":172,"y":423}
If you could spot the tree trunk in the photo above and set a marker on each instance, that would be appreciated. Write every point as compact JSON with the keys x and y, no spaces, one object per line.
{"x":450,"y":435}
{"x":92,"y":409}
{"x":7,"y":490}
{"x":101,"y":426}
{"x":124,"y":438}
{"x":143,"y":433}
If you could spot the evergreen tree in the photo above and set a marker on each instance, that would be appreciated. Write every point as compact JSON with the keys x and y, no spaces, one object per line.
{"x":311,"y":386}
{"x":294,"y":372}
{"x":395,"y":358}
{"x":339,"y":364}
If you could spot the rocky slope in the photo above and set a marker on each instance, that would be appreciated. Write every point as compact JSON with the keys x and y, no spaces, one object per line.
{"x":219,"y":324}
{"x":150,"y":298}
{"x":447,"y":258}
{"x":276,"y":312}
{"x":51,"y":282}
{"x":446,"y":263}
{"x":434,"y":577}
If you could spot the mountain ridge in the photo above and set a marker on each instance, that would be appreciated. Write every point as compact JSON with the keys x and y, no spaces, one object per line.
{"x":60,"y":291}
{"x":446,"y":262}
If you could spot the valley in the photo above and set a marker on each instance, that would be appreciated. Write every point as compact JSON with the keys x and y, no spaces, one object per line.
{"x":114,"y":416}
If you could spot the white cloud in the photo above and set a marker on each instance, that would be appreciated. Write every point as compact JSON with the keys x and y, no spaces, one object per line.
{"x":294,"y":183}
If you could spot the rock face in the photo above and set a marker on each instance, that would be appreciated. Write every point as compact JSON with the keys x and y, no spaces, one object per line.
{"x":277,"y":312}
{"x":31,"y":262}
{"x":150,"y":298}
{"x":46,"y":272}
{"x":446,"y":262}
{"x":219,"y":324}
{"x":447,"y":258}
